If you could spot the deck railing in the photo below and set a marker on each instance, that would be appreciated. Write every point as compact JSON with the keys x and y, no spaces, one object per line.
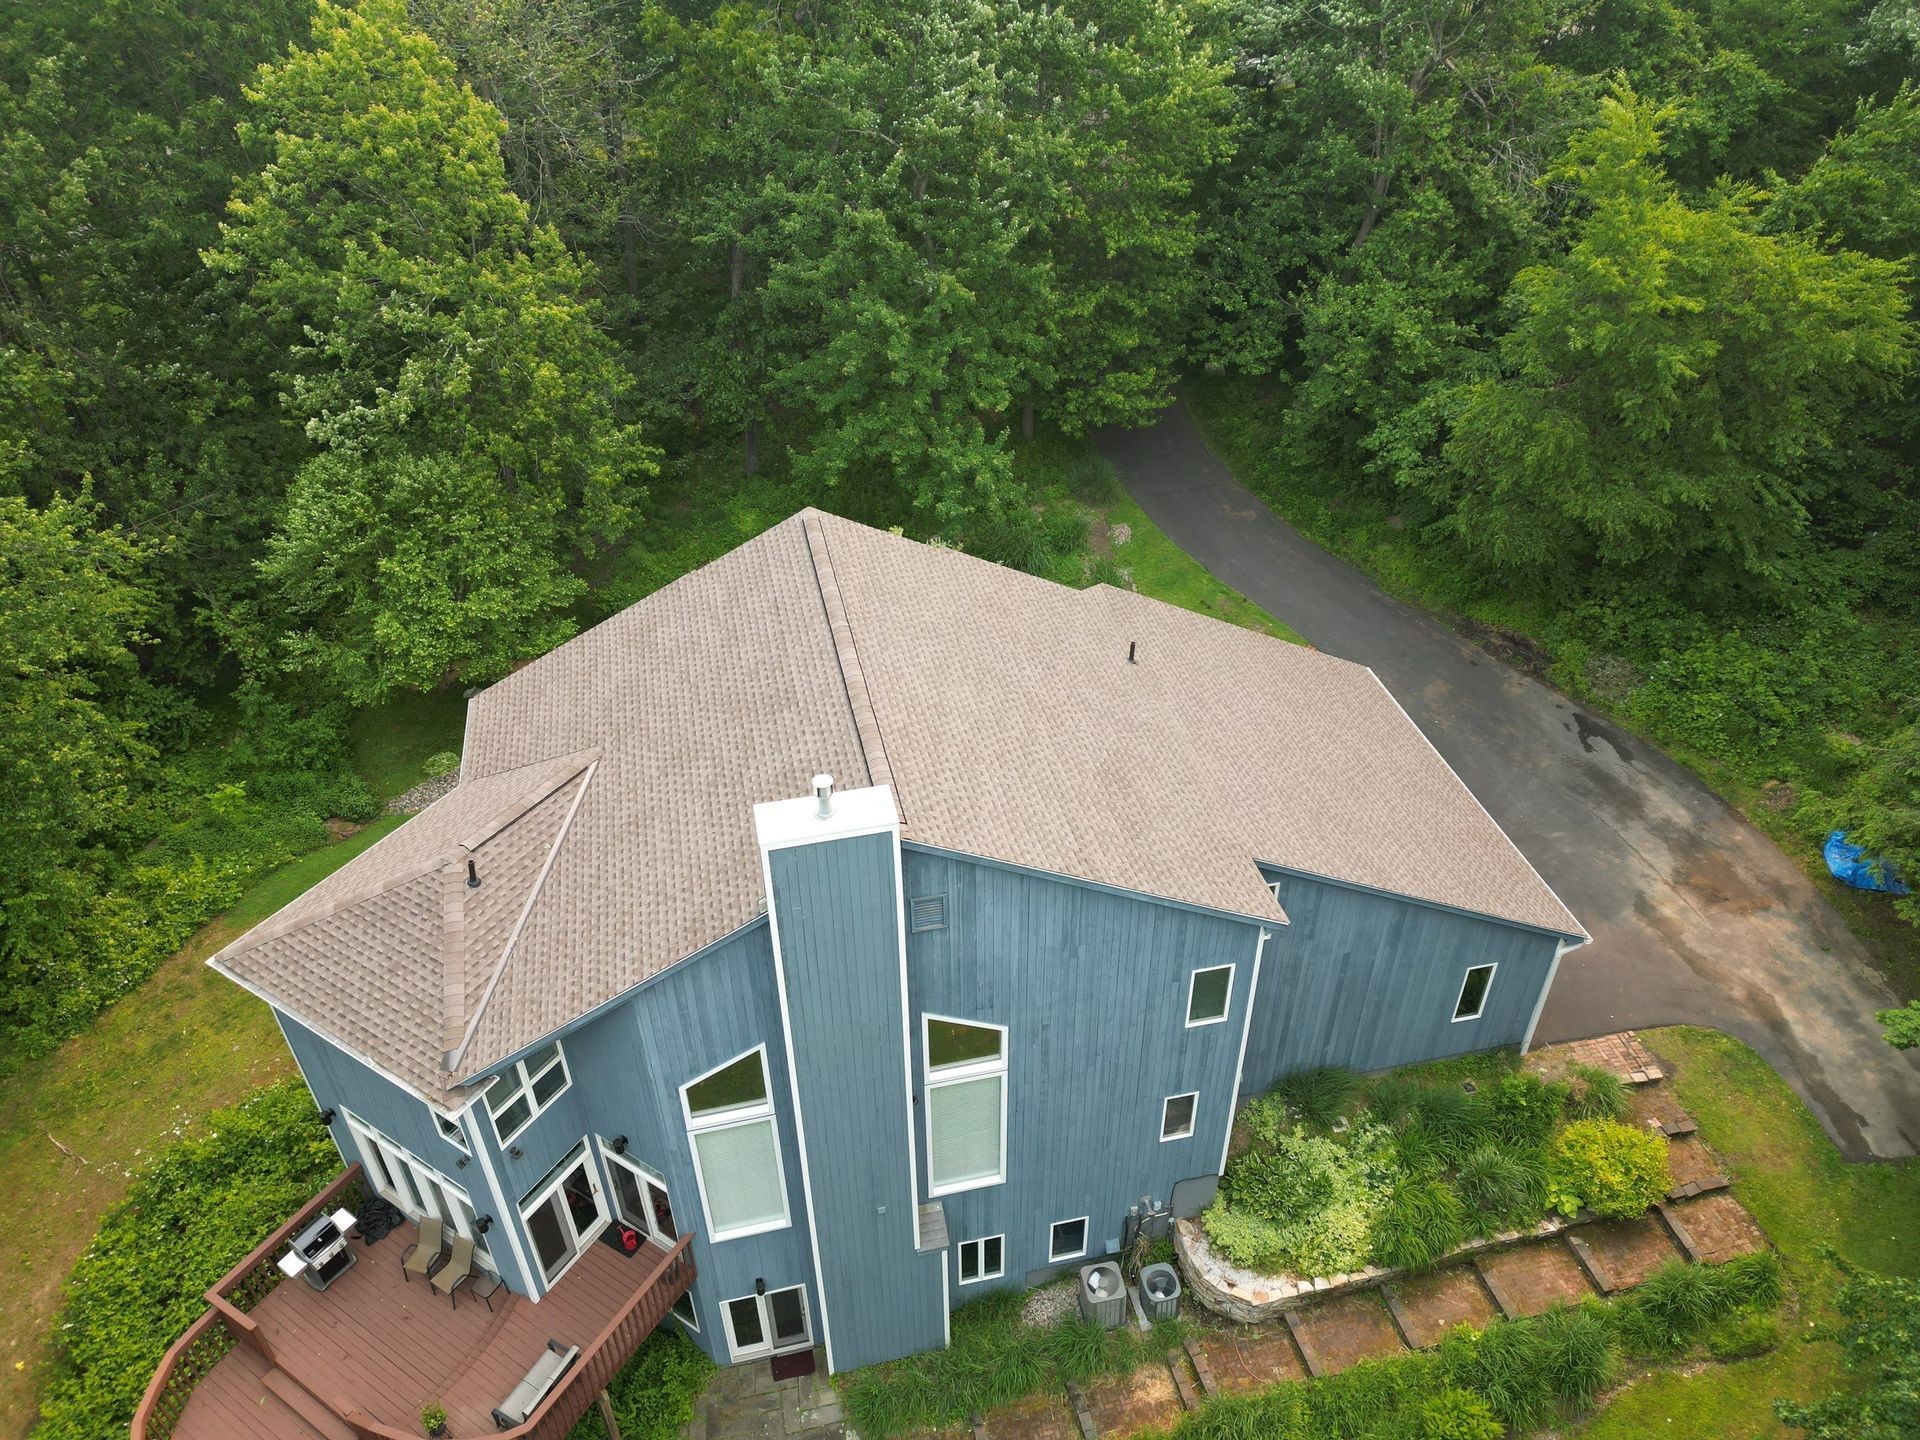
{"x":226,"y":1322}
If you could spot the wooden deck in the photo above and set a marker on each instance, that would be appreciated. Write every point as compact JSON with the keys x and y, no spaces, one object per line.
{"x":374,"y":1348}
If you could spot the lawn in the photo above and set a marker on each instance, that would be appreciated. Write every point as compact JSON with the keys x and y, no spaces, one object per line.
{"x":1163,"y":570}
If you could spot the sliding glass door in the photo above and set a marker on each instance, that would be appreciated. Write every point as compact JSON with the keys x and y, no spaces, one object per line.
{"x":416,"y":1187}
{"x":640,"y":1197}
{"x":564,"y":1212}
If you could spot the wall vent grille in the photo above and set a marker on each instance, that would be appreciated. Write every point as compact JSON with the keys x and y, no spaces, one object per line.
{"x":928,"y":912}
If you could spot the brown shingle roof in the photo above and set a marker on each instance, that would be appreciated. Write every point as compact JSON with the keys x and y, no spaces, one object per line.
{"x":1001,"y":707}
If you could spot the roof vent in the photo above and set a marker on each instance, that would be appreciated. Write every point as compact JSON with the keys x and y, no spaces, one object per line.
{"x":822,"y":797}
{"x":473,"y":874}
{"x":1131,"y":645}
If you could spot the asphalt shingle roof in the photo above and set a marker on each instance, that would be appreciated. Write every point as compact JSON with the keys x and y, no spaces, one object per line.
{"x":607,"y":789}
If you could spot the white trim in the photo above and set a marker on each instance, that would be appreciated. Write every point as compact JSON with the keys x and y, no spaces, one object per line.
{"x":602,"y":1210}
{"x":371,"y":1141}
{"x":1490,"y":967}
{"x":793,"y":1089}
{"x":1540,"y":1000}
{"x":906,"y":1041}
{"x":946,"y":1307}
{"x":536,"y":1107}
{"x":985,"y":1274}
{"x":960,"y":1074}
{"x":508,"y":1219}
{"x":692,"y":1304}
{"x":277,"y":1006}
{"x":1584,"y":937}
{"x":1193,"y":1117}
{"x":1193,"y":977}
{"x":1240,"y":1065}
{"x":738,"y":1117}
{"x":1086,"y":1239}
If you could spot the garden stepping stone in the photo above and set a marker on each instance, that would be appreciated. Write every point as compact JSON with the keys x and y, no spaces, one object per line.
{"x":1713,"y":1227}
{"x":1530,"y":1279}
{"x":1690,"y":1162}
{"x":1623,"y":1253}
{"x":1657,"y":1106}
{"x":1426,"y":1307}
{"x":1336,"y":1333}
{"x":1250,"y":1358}
{"x":1143,"y":1399}
{"x":1044,"y":1416}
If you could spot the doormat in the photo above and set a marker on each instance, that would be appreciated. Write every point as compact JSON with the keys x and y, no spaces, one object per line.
{"x":793,"y":1366}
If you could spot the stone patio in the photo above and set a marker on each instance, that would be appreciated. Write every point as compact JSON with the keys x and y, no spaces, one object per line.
{"x":1529,"y":1279}
{"x":1428,"y":1306}
{"x":1621,"y":1053}
{"x":1336,"y":1333}
{"x":745,"y":1402}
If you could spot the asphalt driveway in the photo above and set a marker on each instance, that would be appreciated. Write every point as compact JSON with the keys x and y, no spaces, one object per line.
{"x":1696,"y":916}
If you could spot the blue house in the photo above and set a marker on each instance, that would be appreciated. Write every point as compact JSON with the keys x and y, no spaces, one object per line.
{"x":889,"y":923}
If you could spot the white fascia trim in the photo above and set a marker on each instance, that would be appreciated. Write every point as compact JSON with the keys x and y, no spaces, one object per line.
{"x":334,"y":1040}
{"x":793,"y":1085}
{"x":1540,"y":1000}
{"x":508,"y":1218}
{"x":1492,"y":967}
{"x":1240,"y":1065}
{"x":946,"y":1302}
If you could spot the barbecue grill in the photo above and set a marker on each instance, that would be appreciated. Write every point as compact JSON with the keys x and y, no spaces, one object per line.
{"x":319,"y":1253}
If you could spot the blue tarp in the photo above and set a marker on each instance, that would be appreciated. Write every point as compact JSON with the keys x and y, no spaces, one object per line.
{"x":1851,"y":866}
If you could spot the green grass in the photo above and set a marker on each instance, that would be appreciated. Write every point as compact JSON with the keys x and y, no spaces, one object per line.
{"x":1166,"y":572}
{"x":391,"y":741}
{"x":295,"y":879}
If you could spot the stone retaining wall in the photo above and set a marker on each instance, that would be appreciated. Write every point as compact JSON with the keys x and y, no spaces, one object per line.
{"x":1253,"y":1298}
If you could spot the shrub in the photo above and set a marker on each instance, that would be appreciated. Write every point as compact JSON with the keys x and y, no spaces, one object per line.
{"x":1456,"y":1414}
{"x":1611,"y":1169}
{"x":1320,"y":1198}
{"x":1394,"y":1097}
{"x":1417,"y":1152}
{"x":443,"y":762}
{"x":1679,"y":1301}
{"x":1420,"y":1224}
{"x":1319,"y":1096}
{"x":1286,"y":1183}
{"x":1742,"y":1334}
{"x":188,"y":1217}
{"x":1449,"y":1116}
{"x":1093,"y":479}
{"x":1595,"y":1094}
{"x":1370,"y":1397}
{"x":1064,"y":531}
{"x":1243,"y":1238}
{"x":1576,"y":1352}
{"x":1502,"y":1365}
{"x":1524,"y":1108}
{"x":1505,"y":1189}
{"x":1264,"y":1120}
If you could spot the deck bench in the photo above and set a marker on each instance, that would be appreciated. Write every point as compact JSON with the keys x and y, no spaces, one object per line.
{"x":541,"y":1378}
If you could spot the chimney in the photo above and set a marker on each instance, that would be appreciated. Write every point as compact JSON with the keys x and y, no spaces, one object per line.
{"x":823,"y":797}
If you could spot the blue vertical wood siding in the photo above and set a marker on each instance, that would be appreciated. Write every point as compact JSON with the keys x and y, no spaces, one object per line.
{"x":1369,"y":981}
{"x":837,"y":911}
{"x":1092,"y":987}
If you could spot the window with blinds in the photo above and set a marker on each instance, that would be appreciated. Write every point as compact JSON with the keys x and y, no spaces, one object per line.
{"x":966,"y":1104}
{"x":736,"y":1148}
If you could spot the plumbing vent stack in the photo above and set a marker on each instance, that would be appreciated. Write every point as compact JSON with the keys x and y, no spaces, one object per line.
{"x":822,"y":797}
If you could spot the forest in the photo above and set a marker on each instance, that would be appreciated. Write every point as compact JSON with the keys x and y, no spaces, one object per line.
{"x":355,"y":352}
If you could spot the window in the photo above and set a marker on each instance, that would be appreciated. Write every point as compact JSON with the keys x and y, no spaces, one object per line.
{"x":1473,"y":993}
{"x":1068,"y":1240}
{"x":525,"y":1088}
{"x":982,"y":1259}
{"x":564,"y":1211}
{"x":1208,"y":994}
{"x":736,"y":1150}
{"x":929,"y":912}
{"x":1176,"y":1116}
{"x":415,"y":1186}
{"x":640,"y":1197}
{"x":450,"y":1131}
{"x":684,"y":1312}
{"x":1273,"y":889}
{"x":966,"y":1104}
{"x":769,"y":1324}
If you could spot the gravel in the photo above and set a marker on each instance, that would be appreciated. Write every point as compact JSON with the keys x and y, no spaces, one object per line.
{"x":1051,"y":1304}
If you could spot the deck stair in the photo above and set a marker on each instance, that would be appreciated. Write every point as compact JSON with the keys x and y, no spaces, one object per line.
{"x":308,"y":1407}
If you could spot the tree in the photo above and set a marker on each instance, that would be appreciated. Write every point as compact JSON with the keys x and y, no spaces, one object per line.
{"x":1671,"y":386}
{"x":1879,"y":1334}
{"x":1902,"y":1025}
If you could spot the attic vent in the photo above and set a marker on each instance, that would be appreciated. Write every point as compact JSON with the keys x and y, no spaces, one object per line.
{"x":929,"y":912}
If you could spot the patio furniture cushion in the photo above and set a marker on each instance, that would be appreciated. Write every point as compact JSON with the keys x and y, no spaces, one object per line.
{"x":545,"y":1374}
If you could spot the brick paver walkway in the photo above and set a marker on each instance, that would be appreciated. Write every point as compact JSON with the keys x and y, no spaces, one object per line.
{"x":1620,"y":1254}
{"x":1714,"y":1227}
{"x":1251,"y":1357}
{"x":1142,"y":1400}
{"x":1336,"y":1333}
{"x":1428,"y":1306}
{"x":1529,"y":1279}
{"x":1623,"y":1054}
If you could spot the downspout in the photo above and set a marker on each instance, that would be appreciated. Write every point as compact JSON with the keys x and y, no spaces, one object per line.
{"x":1540,"y":1001}
{"x":1246,"y":1029}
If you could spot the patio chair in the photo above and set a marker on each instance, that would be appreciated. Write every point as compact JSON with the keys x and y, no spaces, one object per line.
{"x":423,"y":1255}
{"x":457,"y":1271}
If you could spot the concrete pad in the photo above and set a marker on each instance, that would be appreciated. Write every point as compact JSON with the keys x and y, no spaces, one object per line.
{"x":1144,"y":1399}
{"x":1428,"y":1306}
{"x":1528,"y":1279}
{"x":1336,"y":1333}
{"x":1038,"y":1417}
{"x":1626,"y":1252}
{"x":1718,"y":1225}
{"x":1251,"y":1357}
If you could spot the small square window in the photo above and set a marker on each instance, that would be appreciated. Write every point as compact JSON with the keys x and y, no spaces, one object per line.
{"x":982,"y":1259}
{"x":1176,"y":1116}
{"x":449,"y":1129}
{"x":1473,"y":993}
{"x":1209,"y":992}
{"x":1068,"y":1240}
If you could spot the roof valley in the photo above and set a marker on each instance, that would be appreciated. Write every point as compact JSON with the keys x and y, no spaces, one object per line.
{"x":866,"y":721}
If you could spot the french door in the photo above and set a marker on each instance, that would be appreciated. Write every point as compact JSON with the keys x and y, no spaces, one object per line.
{"x":769,"y":1324}
{"x":416,"y":1187}
{"x":640,"y":1198}
{"x":564,"y":1212}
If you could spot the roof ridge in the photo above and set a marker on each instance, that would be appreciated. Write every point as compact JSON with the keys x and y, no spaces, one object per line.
{"x":457,"y":1050}
{"x":866,"y":720}
{"x":453,"y":951}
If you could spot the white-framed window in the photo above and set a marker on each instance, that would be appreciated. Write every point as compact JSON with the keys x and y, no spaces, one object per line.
{"x":1474,"y":986}
{"x":450,"y":1131}
{"x":769,"y":1324}
{"x":1209,"y":995}
{"x":525,"y":1088}
{"x":736,"y":1147}
{"x":1177,"y":1114}
{"x":415,"y":1186}
{"x":983,"y":1259}
{"x":563,"y":1212}
{"x":640,"y":1196}
{"x":1067,"y":1240}
{"x":966,"y":1085}
{"x":686,"y":1312}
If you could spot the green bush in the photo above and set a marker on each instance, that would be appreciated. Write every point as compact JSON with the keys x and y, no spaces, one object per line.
{"x":1264,"y":1119}
{"x":1505,"y":1189}
{"x":1523,"y":1109}
{"x":1092,"y":478}
{"x":1319,"y":1096}
{"x":1680,"y":1301}
{"x":189,"y":1216}
{"x":1611,"y":1169}
{"x":1576,"y":1352}
{"x":1420,"y":1224}
{"x":1595,"y":1094}
{"x":1287,"y":1183}
{"x":1451,"y":1118}
{"x":1456,"y":1414}
{"x":1394,"y":1098}
{"x":1503,"y":1366}
{"x":653,"y":1395}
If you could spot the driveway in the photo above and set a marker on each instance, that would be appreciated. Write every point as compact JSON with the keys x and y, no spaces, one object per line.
{"x":1696,"y":917}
